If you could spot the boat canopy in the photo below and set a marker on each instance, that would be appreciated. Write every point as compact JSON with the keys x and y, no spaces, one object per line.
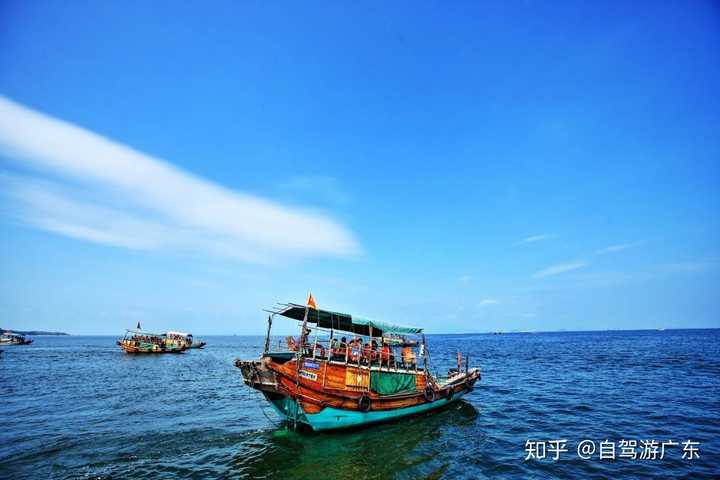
{"x":144,"y":332}
{"x":344,"y":321}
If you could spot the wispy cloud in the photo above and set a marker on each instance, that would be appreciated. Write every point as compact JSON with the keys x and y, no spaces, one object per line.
{"x":561,"y":268}
{"x":88,"y":187}
{"x":616,"y":248}
{"x":534,"y":238}
{"x":466,"y":279}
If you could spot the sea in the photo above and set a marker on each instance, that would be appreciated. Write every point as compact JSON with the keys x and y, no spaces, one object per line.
{"x":78,"y":407}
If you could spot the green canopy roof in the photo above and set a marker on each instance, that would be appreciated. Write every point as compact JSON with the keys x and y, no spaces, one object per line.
{"x":344,"y":321}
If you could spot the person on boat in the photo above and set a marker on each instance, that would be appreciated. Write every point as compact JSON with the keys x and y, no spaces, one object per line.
{"x":370,"y":352}
{"x":340,"y":349}
{"x":308,"y":349}
{"x":294,"y":345}
{"x":355,"y":349}
{"x":408,"y":356}
{"x":385,"y":353}
{"x":366,"y":353}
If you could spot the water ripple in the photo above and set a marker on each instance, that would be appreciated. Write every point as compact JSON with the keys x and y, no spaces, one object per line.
{"x":78,"y":408}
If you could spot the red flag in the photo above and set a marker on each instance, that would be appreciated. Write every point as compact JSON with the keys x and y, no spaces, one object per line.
{"x":311,"y":302}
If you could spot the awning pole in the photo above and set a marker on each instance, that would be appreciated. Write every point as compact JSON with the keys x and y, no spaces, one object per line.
{"x":267,"y":338}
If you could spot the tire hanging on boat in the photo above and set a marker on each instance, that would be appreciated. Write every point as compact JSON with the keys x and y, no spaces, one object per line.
{"x":364,"y":403}
{"x":429,"y":394}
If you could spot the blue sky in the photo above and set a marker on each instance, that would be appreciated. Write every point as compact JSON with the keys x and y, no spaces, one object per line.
{"x":473,"y":166}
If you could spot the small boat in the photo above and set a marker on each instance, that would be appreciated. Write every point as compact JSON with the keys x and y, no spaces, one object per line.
{"x":186,"y":339}
{"x":138,"y":341}
{"x":326,"y":383}
{"x":10,"y":338}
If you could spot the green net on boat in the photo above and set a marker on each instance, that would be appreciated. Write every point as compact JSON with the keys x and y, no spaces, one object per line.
{"x":387,"y":383}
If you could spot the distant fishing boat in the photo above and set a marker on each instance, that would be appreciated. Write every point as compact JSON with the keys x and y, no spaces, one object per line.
{"x":10,"y":338}
{"x":138,"y":341}
{"x":186,"y":339}
{"x":328,"y":383}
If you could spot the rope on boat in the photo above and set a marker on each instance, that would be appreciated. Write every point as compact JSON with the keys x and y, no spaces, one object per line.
{"x":262,"y":409}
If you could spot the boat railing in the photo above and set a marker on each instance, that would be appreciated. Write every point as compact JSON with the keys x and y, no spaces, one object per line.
{"x":350,"y":353}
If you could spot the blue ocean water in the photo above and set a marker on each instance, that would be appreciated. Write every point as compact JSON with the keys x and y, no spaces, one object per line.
{"x":77,"y":407}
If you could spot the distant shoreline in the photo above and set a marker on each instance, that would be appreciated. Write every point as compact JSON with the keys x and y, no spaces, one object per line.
{"x":34,"y":333}
{"x":524,"y":332}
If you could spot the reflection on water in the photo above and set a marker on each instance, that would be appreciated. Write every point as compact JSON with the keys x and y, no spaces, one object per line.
{"x":382,"y":451}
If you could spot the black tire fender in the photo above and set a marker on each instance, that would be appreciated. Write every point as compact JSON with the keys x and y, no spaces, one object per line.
{"x":364,"y":403}
{"x":429,"y":394}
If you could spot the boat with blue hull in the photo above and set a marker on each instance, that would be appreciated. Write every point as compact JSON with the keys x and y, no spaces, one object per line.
{"x":346,"y":372}
{"x":334,"y":419}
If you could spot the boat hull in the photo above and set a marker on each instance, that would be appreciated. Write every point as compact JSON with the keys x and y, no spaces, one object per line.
{"x":329,"y":398}
{"x":135,"y":350}
{"x":330,"y":418}
{"x":17,"y":342}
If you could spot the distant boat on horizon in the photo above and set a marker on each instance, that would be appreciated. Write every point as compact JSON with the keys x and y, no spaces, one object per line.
{"x":10,"y":338}
{"x":139,"y":341}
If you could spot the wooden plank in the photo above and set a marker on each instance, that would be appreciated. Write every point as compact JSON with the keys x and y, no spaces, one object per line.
{"x":357,"y":378}
{"x":420,"y":382}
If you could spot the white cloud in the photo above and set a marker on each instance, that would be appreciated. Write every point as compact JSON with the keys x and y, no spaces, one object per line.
{"x":466,"y":279}
{"x":534,"y":238}
{"x":616,"y":248}
{"x":561,"y":268}
{"x":89,"y":187}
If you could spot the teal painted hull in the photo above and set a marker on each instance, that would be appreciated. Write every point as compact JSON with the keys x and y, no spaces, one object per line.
{"x":333,"y":418}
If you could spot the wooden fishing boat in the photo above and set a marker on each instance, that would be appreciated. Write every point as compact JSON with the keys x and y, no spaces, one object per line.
{"x":10,"y":338}
{"x":138,"y":341}
{"x":325,"y":382}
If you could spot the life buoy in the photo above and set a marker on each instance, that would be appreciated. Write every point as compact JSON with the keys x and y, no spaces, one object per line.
{"x":364,"y":403}
{"x":319,"y":350}
{"x":429,"y":394}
